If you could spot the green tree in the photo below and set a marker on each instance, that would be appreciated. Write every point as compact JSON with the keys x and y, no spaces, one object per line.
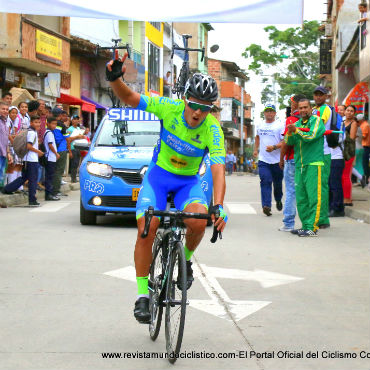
{"x":298,"y":46}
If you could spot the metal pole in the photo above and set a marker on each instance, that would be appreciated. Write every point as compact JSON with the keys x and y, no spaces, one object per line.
{"x":274,"y":89}
{"x":242,"y":122}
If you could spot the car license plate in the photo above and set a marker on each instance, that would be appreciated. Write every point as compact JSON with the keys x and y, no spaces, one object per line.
{"x":135,"y":193}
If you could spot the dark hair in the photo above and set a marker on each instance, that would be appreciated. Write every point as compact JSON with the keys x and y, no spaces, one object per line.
{"x":352,"y":106}
{"x":33,"y":105}
{"x":7,"y":93}
{"x":305,"y":99}
{"x":33,"y":118}
{"x":48,"y":107}
{"x":342,"y":105}
{"x":22,"y":102}
{"x":298,"y":97}
{"x":51,"y":119}
{"x":64,"y":112}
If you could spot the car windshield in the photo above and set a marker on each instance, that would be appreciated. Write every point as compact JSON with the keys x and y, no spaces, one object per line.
{"x":128,"y":133}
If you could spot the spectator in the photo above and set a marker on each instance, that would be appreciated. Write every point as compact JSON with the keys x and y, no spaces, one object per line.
{"x":167,"y":84}
{"x":269,"y":141}
{"x":75,"y":160}
{"x":7,"y":98}
{"x":336,"y":206}
{"x":229,"y":160}
{"x":362,"y":7}
{"x":322,"y":110}
{"x":42,"y":113}
{"x":33,"y":106}
{"x":65,"y":118}
{"x":30,"y":169}
{"x":23,"y":115}
{"x":309,"y":161}
{"x":4,"y":140}
{"x":52,"y":156}
{"x":234,"y":163}
{"x":365,"y":141}
{"x":14,"y":125}
{"x":287,"y":152}
{"x":348,"y":153}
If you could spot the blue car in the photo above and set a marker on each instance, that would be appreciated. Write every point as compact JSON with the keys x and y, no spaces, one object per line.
{"x":119,"y":155}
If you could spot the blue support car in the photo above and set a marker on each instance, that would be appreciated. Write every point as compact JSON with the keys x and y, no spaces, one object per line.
{"x":119,"y":155}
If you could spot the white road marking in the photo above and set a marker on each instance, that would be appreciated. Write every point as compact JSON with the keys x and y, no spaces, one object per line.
{"x":50,"y":207}
{"x":220,"y":304}
{"x":240,"y":208}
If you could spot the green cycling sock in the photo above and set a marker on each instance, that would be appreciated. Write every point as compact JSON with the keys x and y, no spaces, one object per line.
{"x":142,"y":285}
{"x":188,"y":253}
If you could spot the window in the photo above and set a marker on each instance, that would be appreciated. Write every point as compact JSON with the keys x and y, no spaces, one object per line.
{"x":156,"y":25}
{"x":153,"y":67}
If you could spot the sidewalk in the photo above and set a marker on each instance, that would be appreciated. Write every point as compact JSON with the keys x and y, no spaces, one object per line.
{"x":361,"y":204}
{"x":19,"y":199}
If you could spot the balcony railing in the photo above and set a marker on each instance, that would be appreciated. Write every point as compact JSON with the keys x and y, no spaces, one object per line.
{"x":363,"y":34}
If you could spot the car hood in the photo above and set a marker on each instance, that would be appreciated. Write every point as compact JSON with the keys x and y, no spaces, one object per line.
{"x":122,"y":157}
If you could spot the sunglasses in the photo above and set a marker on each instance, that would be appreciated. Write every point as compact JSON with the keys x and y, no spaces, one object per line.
{"x":195,"y":106}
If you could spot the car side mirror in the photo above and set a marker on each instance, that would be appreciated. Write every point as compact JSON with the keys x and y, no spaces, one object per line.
{"x":82,"y":146}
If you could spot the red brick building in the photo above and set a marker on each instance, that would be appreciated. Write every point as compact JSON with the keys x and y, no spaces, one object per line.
{"x":230,"y":80}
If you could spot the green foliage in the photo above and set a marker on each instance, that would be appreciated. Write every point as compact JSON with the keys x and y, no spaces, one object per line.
{"x":300,"y":70}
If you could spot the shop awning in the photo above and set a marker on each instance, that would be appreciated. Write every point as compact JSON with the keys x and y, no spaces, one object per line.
{"x":358,"y":96}
{"x":97,"y":105}
{"x":72,"y":100}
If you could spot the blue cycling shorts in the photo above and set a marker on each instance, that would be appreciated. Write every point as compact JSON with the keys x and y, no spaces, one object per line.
{"x":158,"y":183}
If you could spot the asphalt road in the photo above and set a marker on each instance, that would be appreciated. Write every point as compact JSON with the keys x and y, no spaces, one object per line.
{"x":67,"y":292}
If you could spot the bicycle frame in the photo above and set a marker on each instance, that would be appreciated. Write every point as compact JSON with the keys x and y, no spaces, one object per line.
{"x":179,"y":86}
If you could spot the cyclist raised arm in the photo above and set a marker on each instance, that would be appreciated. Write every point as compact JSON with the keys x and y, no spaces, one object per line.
{"x":188,"y":133}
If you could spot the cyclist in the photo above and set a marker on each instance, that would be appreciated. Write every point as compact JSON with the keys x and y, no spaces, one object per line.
{"x":188,"y":132}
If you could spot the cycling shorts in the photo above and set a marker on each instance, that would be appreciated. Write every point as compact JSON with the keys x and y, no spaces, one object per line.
{"x":158,"y":183}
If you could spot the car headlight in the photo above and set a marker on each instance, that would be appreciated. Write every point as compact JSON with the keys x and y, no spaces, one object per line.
{"x":99,"y":169}
{"x":203,"y":169}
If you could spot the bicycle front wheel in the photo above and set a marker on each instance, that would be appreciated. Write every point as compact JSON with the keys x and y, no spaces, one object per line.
{"x":155,"y":287}
{"x":176,"y":296}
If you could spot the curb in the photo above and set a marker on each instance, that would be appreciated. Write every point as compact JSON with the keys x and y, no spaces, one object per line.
{"x":19,"y":199}
{"x":357,"y":214}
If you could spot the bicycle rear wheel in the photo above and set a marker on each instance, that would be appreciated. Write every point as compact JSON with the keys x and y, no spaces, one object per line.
{"x":175,"y":302}
{"x":155,"y":287}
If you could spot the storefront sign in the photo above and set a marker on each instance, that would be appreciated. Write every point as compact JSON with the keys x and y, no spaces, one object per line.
{"x":31,"y":82}
{"x":48,"y":47}
{"x":9,"y":75}
{"x":52,"y":85}
{"x":226,"y":106}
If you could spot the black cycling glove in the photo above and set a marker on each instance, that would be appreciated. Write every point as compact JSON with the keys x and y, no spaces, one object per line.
{"x":218,"y":211}
{"x":116,"y":71}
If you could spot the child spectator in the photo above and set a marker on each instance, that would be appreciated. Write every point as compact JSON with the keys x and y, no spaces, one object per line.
{"x":23,"y":115}
{"x":14,"y":125}
{"x":4,"y":139}
{"x":30,"y":170}
{"x":52,"y":156}
{"x":362,"y":7}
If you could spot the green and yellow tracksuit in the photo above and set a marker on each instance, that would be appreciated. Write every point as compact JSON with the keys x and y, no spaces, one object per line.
{"x":325,"y":113}
{"x":309,"y":162}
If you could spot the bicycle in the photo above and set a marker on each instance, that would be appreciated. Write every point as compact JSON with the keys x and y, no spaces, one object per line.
{"x":179,"y":86}
{"x":168,"y":272}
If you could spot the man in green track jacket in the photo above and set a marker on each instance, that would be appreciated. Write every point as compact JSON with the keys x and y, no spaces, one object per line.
{"x":309,"y":162}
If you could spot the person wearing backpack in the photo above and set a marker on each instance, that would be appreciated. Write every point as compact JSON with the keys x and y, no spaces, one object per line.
{"x":5,"y":155}
{"x":31,"y":166}
{"x":323,"y":110}
{"x":51,"y":156}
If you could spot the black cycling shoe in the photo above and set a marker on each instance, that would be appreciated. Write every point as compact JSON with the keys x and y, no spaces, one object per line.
{"x":141,"y":310}
{"x":190,"y":278}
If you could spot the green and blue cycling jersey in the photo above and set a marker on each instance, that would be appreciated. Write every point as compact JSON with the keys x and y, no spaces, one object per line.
{"x":181,"y":148}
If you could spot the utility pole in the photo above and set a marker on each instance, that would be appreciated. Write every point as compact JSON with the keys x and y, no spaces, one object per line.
{"x":242,"y":121}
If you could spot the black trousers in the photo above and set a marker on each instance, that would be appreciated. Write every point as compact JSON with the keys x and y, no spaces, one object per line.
{"x":30,"y":172}
{"x":49,"y":177}
{"x":365,"y":161}
{"x":335,"y":185}
{"x":75,"y":162}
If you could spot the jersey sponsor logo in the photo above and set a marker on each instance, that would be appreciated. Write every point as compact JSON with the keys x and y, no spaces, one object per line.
{"x":217,"y":137}
{"x":196,"y":139}
{"x":164,"y":100}
{"x":178,"y":162}
{"x":180,"y":146}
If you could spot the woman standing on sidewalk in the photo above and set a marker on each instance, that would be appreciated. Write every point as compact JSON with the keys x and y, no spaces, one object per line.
{"x":350,"y":124}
